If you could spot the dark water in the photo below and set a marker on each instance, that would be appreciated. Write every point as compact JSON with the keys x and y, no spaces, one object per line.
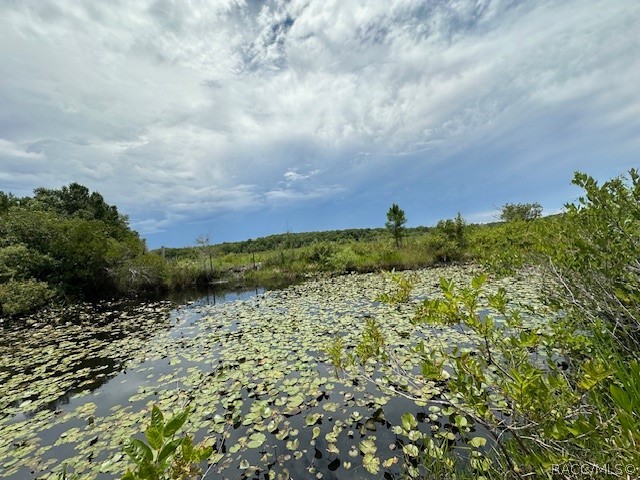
{"x":110,"y":384}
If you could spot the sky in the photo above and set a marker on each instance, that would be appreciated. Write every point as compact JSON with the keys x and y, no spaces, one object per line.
{"x":238,"y":119}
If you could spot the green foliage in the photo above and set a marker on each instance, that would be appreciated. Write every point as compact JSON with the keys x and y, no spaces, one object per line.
{"x":165,"y":456}
{"x":76,"y":201}
{"x":402,"y":287}
{"x":70,"y":243}
{"x":448,"y":241}
{"x":507,"y":247}
{"x":344,"y":260}
{"x":507,"y":371}
{"x":395,"y":223}
{"x":593,"y":257}
{"x":372,"y":343}
{"x":512,"y":212}
{"x":18,"y":262}
{"x":335,"y":352}
{"x":23,"y":296}
{"x":320,"y":254}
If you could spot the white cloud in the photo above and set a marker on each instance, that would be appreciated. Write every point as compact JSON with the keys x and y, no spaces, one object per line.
{"x":200,"y":106}
{"x":13,"y":150}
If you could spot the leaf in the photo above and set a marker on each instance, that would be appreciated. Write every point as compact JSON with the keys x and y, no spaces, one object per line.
{"x":169,"y":449}
{"x":202,"y":454}
{"x":148,"y":470}
{"x":316,"y":433}
{"x":157,"y":419}
{"x":187,"y":448}
{"x":332,"y":448}
{"x":312,"y":419}
{"x":410,"y":450}
{"x":176,"y":423}
{"x":128,"y":476}
{"x":368,"y":446}
{"x":390,"y":462}
{"x":620,"y":397}
{"x":138,"y":451}
{"x":256,"y":440}
{"x":477,"y":442}
{"x":293,"y":444}
{"x":154,"y":437}
{"x":371,"y":463}
{"x":409,"y":422}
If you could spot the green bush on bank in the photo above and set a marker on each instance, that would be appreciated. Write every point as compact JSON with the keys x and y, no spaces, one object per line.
{"x":18,"y":297}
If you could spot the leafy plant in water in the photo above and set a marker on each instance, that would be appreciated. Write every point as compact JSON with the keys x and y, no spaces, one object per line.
{"x":335,"y":351}
{"x":508,"y":382}
{"x":372,"y":342}
{"x":403,"y":286}
{"x":165,"y":456}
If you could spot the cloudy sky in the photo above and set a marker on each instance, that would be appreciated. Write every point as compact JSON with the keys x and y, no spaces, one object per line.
{"x":245,"y":118}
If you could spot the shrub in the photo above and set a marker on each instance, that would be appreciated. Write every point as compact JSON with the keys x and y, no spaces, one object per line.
{"x":593,"y":257}
{"x":22,"y":296}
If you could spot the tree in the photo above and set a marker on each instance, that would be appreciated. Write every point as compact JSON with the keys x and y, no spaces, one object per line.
{"x":448,"y":240}
{"x":520,"y":211}
{"x":76,"y":200}
{"x":395,"y":222}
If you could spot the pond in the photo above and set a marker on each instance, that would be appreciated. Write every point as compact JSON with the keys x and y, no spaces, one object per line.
{"x":251,"y":366}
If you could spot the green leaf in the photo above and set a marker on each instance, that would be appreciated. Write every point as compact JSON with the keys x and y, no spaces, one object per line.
{"x":371,"y":463}
{"x":256,"y":440}
{"x":368,"y":446}
{"x":409,"y":422}
{"x":187,"y":448}
{"x":312,"y":419}
{"x":154,"y":437}
{"x":157,"y":419}
{"x":620,"y":397}
{"x":477,"y":442}
{"x":410,"y":450}
{"x":293,"y":444}
{"x":148,"y":471}
{"x":128,"y":476}
{"x":176,"y":423}
{"x":169,"y":449}
{"x":202,"y":454}
{"x":138,"y":451}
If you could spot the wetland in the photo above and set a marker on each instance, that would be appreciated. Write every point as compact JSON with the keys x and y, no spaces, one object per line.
{"x":251,"y":366}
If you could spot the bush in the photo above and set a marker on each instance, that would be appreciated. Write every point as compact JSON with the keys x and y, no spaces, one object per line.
{"x":344,"y":259}
{"x":23,"y":296}
{"x":320,"y":254}
{"x":593,"y":257}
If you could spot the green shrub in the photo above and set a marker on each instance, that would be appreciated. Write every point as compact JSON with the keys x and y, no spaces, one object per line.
{"x":19,"y":262}
{"x":594,"y":260}
{"x":344,"y":259}
{"x":23,"y":296}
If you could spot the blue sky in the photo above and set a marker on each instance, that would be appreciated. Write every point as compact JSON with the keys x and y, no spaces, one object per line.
{"x":240,"y":119}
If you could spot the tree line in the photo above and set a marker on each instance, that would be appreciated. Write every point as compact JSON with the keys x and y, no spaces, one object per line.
{"x":68,"y":244}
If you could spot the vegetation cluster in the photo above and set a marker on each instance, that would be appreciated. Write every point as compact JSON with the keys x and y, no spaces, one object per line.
{"x":68,"y":244}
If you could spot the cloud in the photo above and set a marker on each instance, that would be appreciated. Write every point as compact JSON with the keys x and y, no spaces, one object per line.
{"x":178,"y":110}
{"x":13,"y":150}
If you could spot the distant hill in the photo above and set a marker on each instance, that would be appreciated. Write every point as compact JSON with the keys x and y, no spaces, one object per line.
{"x":295,"y":240}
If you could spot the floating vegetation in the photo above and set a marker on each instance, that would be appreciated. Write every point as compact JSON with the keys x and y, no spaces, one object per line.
{"x":255,"y":374}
